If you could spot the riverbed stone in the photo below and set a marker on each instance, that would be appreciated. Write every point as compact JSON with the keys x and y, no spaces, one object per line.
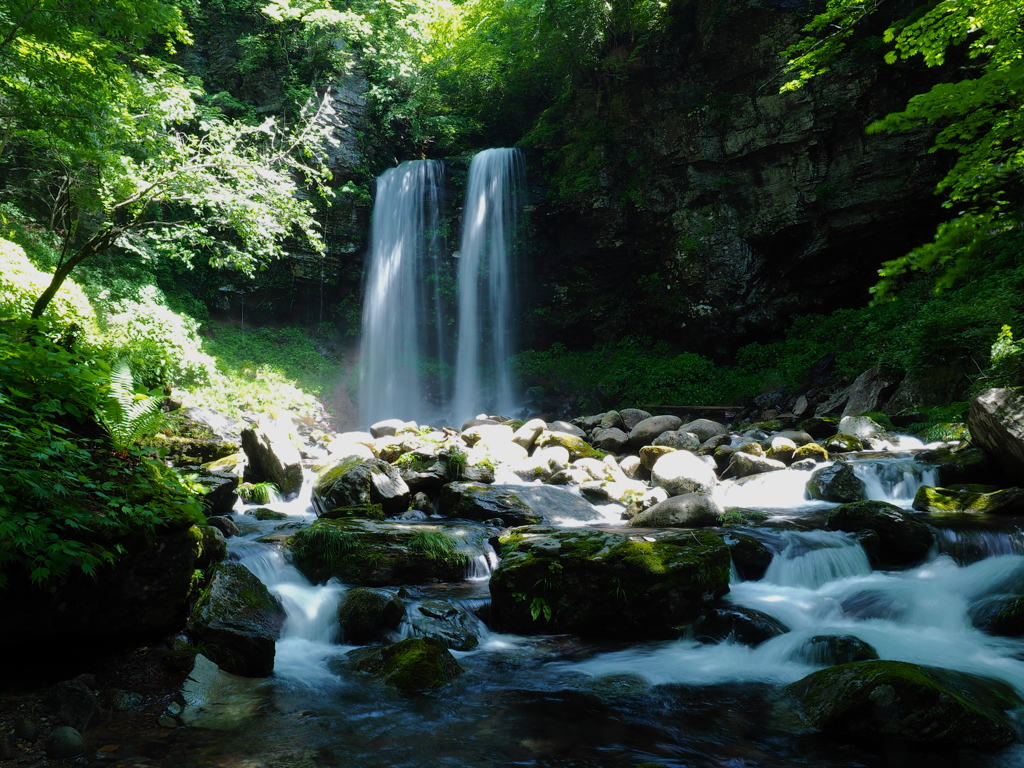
{"x":682,"y":472}
{"x":577,"y":447}
{"x":65,"y":742}
{"x":380,"y":554}
{"x":528,"y":433}
{"x":414,"y":664}
{"x":649,"y":429}
{"x":366,"y":613}
{"x":829,"y":650}
{"x":565,"y":426}
{"x":903,"y":540}
{"x":448,"y":623}
{"x":836,"y":483}
{"x":781,"y":449}
{"x":74,"y":703}
{"x":514,"y":504}
{"x":842,"y":443}
{"x":705,"y":429}
{"x":879,"y":699}
{"x":750,"y":556}
{"x":739,"y":624}
{"x":744,"y":464}
{"x":678,"y":439}
{"x":605,"y":583}
{"x":351,"y":483}
{"x":690,"y":510}
{"x":613,"y":440}
{"x":631,"y":417}
{"x":811,"y":451}
{"x":238,"y":621}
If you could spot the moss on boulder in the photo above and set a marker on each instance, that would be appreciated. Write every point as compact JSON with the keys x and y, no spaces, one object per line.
{"x":416,"y":664}
{"x":973,"y":499}
{"x":356,"y":482}
{"x":365,"y":613}
{"x":604,"y":583}
{"x":238,"y":621}
{"x":873,"y":699}
{"x":378,"y":554}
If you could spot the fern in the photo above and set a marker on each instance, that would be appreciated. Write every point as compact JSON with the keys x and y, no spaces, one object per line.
{"x":128,"y":416}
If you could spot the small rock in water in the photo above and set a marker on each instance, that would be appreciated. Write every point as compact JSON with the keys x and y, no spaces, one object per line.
{"x":64,"y":742}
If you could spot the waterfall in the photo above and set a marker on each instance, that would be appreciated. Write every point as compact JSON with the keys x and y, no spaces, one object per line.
{"x":487,"y":272}
{"x":402,"y":312}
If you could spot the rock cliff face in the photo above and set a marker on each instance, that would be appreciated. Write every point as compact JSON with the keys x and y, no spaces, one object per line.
{"x":696,"y":203}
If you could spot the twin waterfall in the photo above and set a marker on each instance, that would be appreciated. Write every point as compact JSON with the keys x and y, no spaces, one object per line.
{"x":436,"y":340}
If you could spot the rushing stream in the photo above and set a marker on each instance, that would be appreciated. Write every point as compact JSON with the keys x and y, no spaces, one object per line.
{"x":561,"y":701}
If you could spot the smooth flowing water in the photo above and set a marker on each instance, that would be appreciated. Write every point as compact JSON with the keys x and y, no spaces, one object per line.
{"x":402,"y":307}
{"x":488,"y":266}
{"x":563,"y":701}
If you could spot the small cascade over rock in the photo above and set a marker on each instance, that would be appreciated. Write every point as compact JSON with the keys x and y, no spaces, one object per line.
{"x":487,"y":284}
{"x":402,"y":311}
{"x":812,"y":558}
{"x":894,"y":481}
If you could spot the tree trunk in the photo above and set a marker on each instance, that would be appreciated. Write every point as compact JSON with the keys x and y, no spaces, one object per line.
{"x":96,"y":244}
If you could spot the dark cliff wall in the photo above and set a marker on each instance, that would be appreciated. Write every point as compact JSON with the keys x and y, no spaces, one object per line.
{"x":693,"y":202}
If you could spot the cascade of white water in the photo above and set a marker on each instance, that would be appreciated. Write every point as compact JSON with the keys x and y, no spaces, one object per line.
{"x":402,"y":308}
{"x":894,"y":481}
{"x":487,"y":280}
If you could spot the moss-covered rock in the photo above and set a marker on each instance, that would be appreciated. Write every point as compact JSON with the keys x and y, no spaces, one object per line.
{"x":1003,"y":616}
{"x":963,"y":464}
{"x":370,"y":553}
{"x":577,"y":447}
{"x":974,"y":499}
{"x":820,"y":427}
{"x":448,"y":623}
{"x":237,"y":621}
{"x":749,"y":555}
{"x":903,"y":540}
{"x":365,"y":614}
{"x":361,"y":511}
{"x":878,"y":699}
{"x":604,"y":583}
{"x":829,"y":650}
{"x":837,"y":483}
{"x":213,"y":548}
{"x":354,"y":482}
{"x":690,"y":510}
{"x":842,"y":443}
{"x":810,"y":451}
{"x":416,"y":664}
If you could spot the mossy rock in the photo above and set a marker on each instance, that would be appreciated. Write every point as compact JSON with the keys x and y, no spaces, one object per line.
{"x":810,"y":451}
{"x":365,"y":614}
{"x":378,"y":554}
{"x":1002,"y":616}
{"x":265,"y":513}
{"x":903,"y":540}
{"x":237,"y":621}
{"x":829,"y":650}
{"x":842,"y":443}
{"x":820,"y":426}
{"x":577,"y":447}
{"x":514,"y":505}
{"x":972,"y":499}
{"x":870,"y":700}
{"x":416,"y":664}
{"x":607,"y":584}
{"x":355,"y":482}
{"x":964,"y":464}
{"x":749,"y":555}
{"x":360,"y":511}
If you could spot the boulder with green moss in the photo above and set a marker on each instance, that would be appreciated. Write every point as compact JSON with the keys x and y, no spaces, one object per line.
{"x":870,"y":700}
{"x":373,"y":553}
{"x":836,"y":483}
{"x":842,"y":443}
{"x":971,"y":499}
{"x":902,"y":539}
{"x":416,"y":664}
{"x":354,"y":482}
{"x":447,"y":622}
{"x":961,"y":464}
{"x":237,"y":621}
{"x":690,"y":510}
{"x":515,"y":504}
{"x":810,"y":451}
{"x":272,"y":457}
{"x":366,"y":613}
{"x":1002,"y":616}
{"x":604,"y":583}
{"x":577,"y":447}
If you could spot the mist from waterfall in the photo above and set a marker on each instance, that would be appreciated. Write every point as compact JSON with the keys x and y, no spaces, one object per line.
{"x":402,"y":309}
{"x":487,"y":284}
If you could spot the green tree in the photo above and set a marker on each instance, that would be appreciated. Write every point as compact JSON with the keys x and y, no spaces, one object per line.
{"x":980,"y":117}
{"x":122,"y":153}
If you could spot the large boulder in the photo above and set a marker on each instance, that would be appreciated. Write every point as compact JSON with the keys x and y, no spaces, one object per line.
{"x":996,"y":422}
{"x":366,"y":613}
{"x":737,"y":623}
{"x":604,"y":583}
{"x":744,"y":464}
{"x":647,"y":430}
{"x":380,"y":554}
{"x":893,"y":699}
{"x":836,"y":483}
{"x":705,"y":429}
{"x":515,"y":504}
{"x":902,"y":539}
{"x":682,"y":472}
{"x":447,"y":622}
{"x":691,"y":510}
{"x":273,"y":458}
{"x":238,"y":621}
{"x":351,"y":483}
